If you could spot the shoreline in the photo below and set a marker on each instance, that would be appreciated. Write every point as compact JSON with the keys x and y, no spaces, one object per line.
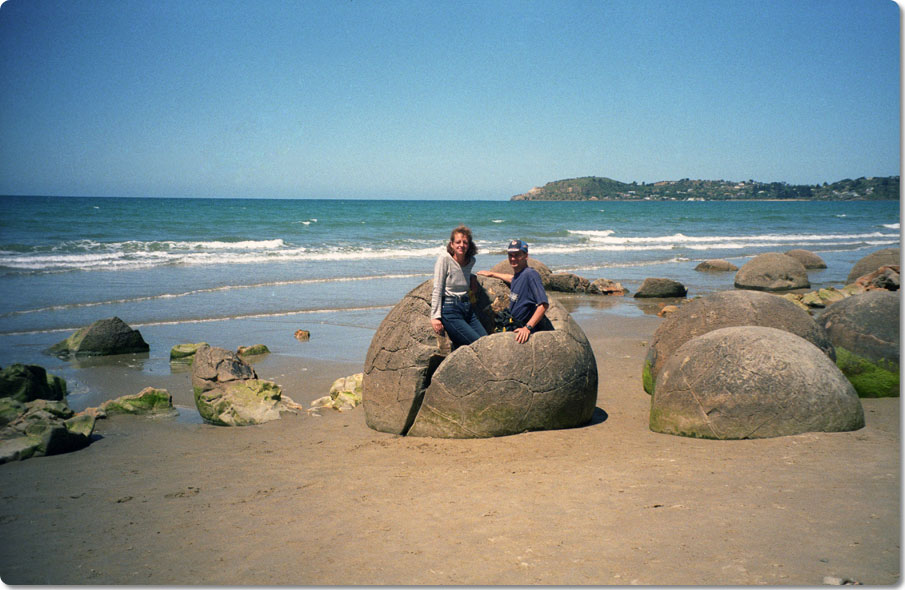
{"x":309,"y":500}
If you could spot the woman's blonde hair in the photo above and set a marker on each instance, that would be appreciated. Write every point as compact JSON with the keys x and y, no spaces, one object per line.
{"x":472,"y":249}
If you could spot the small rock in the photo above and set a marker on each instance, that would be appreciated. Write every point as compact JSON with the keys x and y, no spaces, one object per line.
{"x":252,"y":350}
{"x":302,"y":335}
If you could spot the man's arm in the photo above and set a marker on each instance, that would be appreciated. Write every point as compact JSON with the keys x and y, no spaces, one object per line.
{"x":497,"y":275}
{"x":522,"y":334}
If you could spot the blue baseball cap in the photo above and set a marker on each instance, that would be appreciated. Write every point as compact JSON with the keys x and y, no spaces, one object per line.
{"x":517,"y":246}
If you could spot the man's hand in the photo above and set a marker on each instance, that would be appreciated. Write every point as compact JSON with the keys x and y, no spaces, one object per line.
{"x":522,"y":335}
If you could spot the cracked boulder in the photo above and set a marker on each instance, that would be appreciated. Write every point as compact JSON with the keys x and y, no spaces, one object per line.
{"x":414,"y":385}
{"x":772,"y":271}
{"x":752,"y":382}
{"x":864,"y":329}
{"x":722,"y":310}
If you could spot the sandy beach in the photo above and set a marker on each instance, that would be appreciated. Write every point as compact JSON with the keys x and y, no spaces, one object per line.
{"x":324,"y":500}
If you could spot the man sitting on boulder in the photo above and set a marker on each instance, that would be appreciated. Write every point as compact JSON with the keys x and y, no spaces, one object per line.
{"x":527,"y":299}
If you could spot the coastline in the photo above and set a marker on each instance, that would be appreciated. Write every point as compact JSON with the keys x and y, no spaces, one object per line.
{"x":324,"y":500}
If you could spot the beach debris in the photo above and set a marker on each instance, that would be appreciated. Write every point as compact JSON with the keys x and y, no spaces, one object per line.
{"x":606,"y":287}
{"x":772,"y":271}
{"x":716,"y":265}
{"x":150,"y":401}
{"x":185,"y":353}
{"x":722,"y":310}
{"x":873,"y":261}
{"x":864,"y":329}
{"x":25,"y":383}
{"x":654,"y":287}
{"x":103,"y":337}
{"x":807,"y":258}
{"x":302,"y":335}
{"x":345,"y":394}
{"x":253,"y":350}
{"x":747,"y":382}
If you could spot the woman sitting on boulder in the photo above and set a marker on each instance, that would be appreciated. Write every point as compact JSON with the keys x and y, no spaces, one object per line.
{"x":450,"y":301}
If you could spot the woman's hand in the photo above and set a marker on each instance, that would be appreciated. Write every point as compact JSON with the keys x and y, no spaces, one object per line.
{"x":437,"y":325}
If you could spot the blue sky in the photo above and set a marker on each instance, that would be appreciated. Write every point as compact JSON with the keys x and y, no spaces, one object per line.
{"x":434,"y":99}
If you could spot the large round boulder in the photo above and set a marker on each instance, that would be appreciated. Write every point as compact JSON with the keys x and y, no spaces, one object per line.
{"x":807,"y":258}
{"x":406,"y":357}
{"x":864,"y":329}
{"x":722,"y":310}
{"x":497,"y":387}
{"x":772,"y":271}
{"x":873,"y":261}
{"x":103,"y":337}
{"x":752,"y":382}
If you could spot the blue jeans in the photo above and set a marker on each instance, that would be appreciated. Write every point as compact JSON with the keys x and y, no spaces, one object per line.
{"x":460,"y":322}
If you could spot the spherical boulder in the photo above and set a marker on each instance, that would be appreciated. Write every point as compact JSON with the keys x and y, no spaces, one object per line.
{"x":807,"y":258}
{"x":716,"y":265}
{"x":772,"y":271}
{"x":498,"y":387}
{"x":873,"y":261}
{"x":406,"y":357}
{"x":752,"y":382}
{"x":722,"y":310}
{"x":864,"y":329}
{"x":653,"y":287}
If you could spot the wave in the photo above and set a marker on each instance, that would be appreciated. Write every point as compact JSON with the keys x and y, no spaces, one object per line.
{"x":891,"y":225}
{"x":225,"y":318}
{"x":222,"y":288}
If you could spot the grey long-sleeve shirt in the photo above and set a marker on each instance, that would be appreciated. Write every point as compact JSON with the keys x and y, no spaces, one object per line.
{"x":449,"y":279}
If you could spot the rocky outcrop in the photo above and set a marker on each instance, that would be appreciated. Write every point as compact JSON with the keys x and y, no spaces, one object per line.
{"x":885,"y":277}
{"x":150,"y":401}
{"x":865,"y":332}
{"x":185,"y":353}
{"x":498,"y":387}
{"x":406,"y":358}
{"x":652,"y":287}
{"x":25,"y":383}
{"x":229,"y":393}
{"x":722,"y":310}
{"x":752,"y":382}
{"x":772,"y":271}
{"x":35,"y":426}
{"x":873,"y":261}
{"x":103,"y":337}
{"x":567,"y":282}
{"x":344,"y":394}
{"x":716,"y":265}
{"x":253,"y":350}
{"x":606,"y":287}
{"x":807,"y":258}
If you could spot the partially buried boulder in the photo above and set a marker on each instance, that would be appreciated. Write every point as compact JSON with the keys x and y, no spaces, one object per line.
{"x":406,"y":358}
{"x":865,"y":331}
{"x":752,"y":382}
{"x":41,"y":427}
{"x":103,"y":337}
{"x":716,"y":265}
{"x":606,"y":287}
{"x":150,"y":401}
{"x":873,"y":261}
{"x":497,"y":387}
{"x":807,"y":258}
{"x":567,"y":282}
{"x":653,"y":287}
{"x":772,"y":271}
{"x":722,"y":310}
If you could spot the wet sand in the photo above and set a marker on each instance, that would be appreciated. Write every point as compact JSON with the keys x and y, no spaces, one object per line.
{"x":326,"y":501}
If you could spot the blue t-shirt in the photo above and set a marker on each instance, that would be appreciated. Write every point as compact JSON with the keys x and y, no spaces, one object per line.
{"x":526,"y":293}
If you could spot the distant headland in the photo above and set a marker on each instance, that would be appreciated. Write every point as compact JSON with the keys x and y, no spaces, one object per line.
{"x":596,"y":188}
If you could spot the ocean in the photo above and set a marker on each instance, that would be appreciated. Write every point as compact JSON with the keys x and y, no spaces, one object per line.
{"x":246,"y":271}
